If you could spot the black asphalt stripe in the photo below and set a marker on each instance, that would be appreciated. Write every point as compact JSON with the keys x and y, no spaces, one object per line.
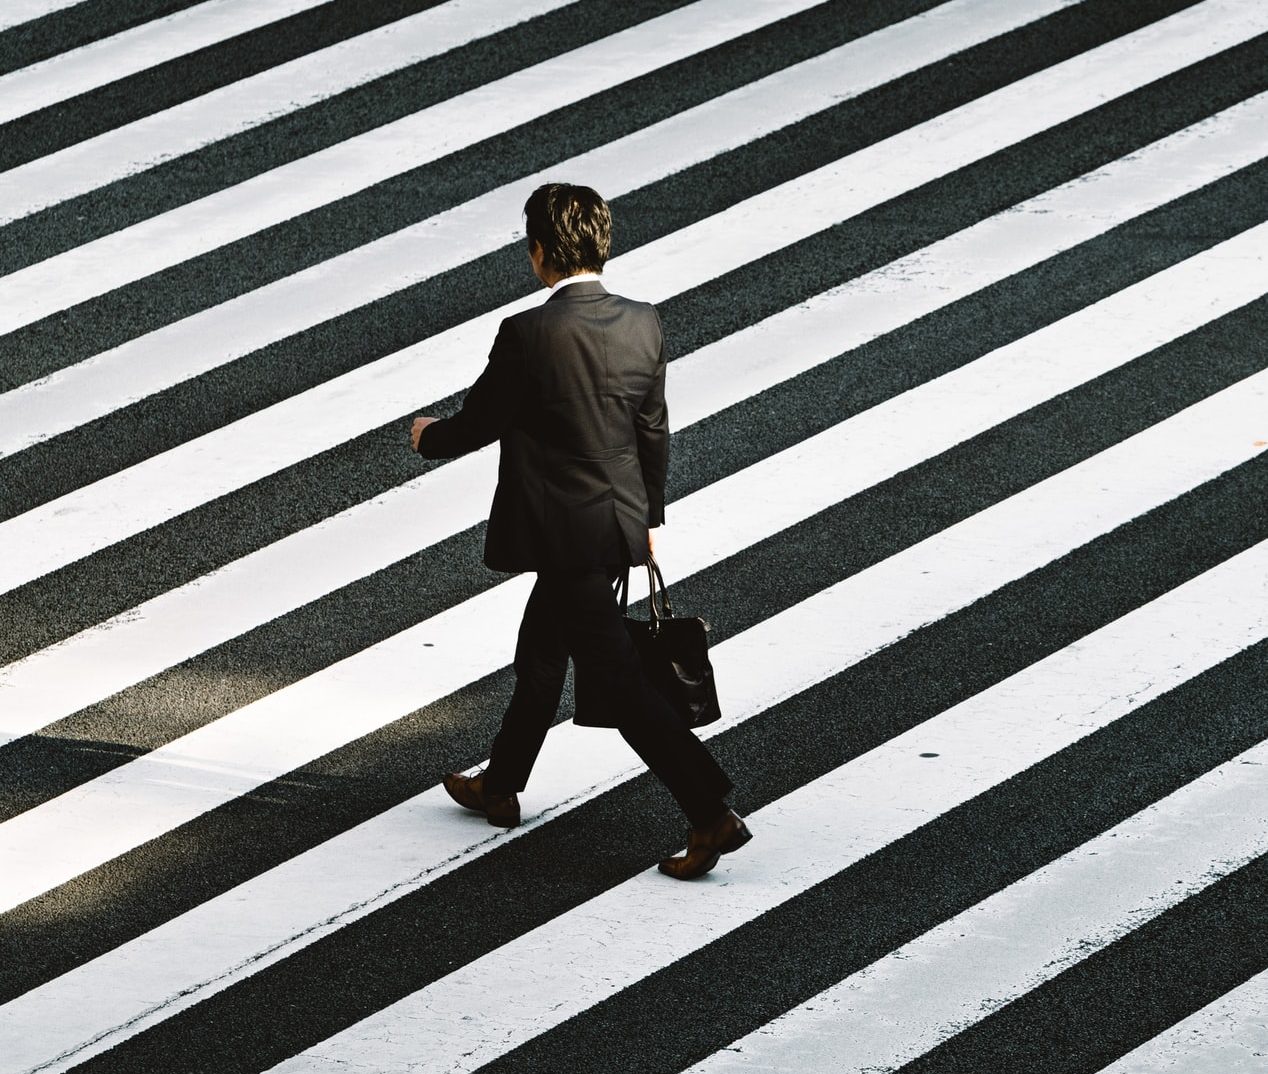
{"x":77,"y":25}
{"x":991,"y":639}
{"x":396,"y":203}
{"x":72,"y":598}
{"x":305,"y":131}
{"x":757,"y":972}
{"x":86,"y":115}
{"x":1132,"y":990}
{"x":419,"y":938}
{"x":284,"y":650}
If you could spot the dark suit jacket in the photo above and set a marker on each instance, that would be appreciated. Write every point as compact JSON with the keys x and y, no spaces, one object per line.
{"x":575,"y":391}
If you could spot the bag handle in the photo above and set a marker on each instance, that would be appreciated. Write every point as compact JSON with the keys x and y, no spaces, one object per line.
{"x":658,"y":594}
{"x":657,"y":589}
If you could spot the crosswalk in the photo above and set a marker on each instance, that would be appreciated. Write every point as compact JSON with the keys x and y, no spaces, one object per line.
{"x":969,"y":391}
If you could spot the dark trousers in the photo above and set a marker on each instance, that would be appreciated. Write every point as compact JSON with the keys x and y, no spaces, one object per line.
{"x":576,"y":615}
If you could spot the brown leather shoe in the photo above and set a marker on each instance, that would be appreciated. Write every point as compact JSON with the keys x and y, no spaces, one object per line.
{"x":706,"y":845}
{"x":503,"y":810}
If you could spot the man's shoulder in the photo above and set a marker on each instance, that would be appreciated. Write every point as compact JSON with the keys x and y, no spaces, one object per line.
{"x":636,"y":305}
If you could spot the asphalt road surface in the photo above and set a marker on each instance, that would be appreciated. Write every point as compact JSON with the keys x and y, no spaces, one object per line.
{"x":968,"y":332}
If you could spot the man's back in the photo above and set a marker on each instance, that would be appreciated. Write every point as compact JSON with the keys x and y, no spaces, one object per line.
{"x":575,"y":391}
{"x":583,"y":460}
{"x":591,"y":359}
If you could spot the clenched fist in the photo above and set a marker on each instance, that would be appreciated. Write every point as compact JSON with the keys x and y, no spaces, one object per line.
{"x":419,"y":425}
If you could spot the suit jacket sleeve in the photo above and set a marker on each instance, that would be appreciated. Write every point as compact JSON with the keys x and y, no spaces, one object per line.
{"x":489,"y":406}
{"x":651,"y":427}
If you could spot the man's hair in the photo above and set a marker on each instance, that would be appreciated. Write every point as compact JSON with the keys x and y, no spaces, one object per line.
{"x":573,"y":225}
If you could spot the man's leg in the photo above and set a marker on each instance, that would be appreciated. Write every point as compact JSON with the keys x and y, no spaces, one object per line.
{"x":541,"y":664}
{"x":591,"y":627}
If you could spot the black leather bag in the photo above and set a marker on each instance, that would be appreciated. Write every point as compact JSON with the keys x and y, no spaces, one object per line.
{"x":675,"y":655}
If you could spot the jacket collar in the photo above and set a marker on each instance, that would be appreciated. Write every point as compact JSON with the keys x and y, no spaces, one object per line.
{"x":581,"y":289}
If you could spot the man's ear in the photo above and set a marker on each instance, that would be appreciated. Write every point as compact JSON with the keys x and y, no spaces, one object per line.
{"x":537,"y":256}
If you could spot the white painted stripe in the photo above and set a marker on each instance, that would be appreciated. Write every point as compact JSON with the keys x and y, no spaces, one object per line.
{"x":952,"y":975}
{"x":393,"y":148}
{"x":1228,"y":1036}
{"x":148,"y":45}
{"x":107,"y":816}
{"x":360,"y":276}
{"x":178,"y":624}
{"x":971,"y":965}
{"x":167,"y":484}
{"x":1087,"y":685}
{"x":15,"y":12}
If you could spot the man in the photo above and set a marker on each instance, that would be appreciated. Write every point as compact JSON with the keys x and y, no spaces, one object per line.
{"x":575,"y":391}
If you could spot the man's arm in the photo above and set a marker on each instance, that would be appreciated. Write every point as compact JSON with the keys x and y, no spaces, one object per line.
{"x":651,"y":427}
{"x":486,"y":411}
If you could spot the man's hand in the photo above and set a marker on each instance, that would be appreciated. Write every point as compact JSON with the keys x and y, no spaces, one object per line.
{"x":419,"y":425}
{"x":651,"y":542}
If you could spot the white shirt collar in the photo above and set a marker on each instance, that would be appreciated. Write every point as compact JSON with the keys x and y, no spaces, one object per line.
{"x":580,"y":277}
